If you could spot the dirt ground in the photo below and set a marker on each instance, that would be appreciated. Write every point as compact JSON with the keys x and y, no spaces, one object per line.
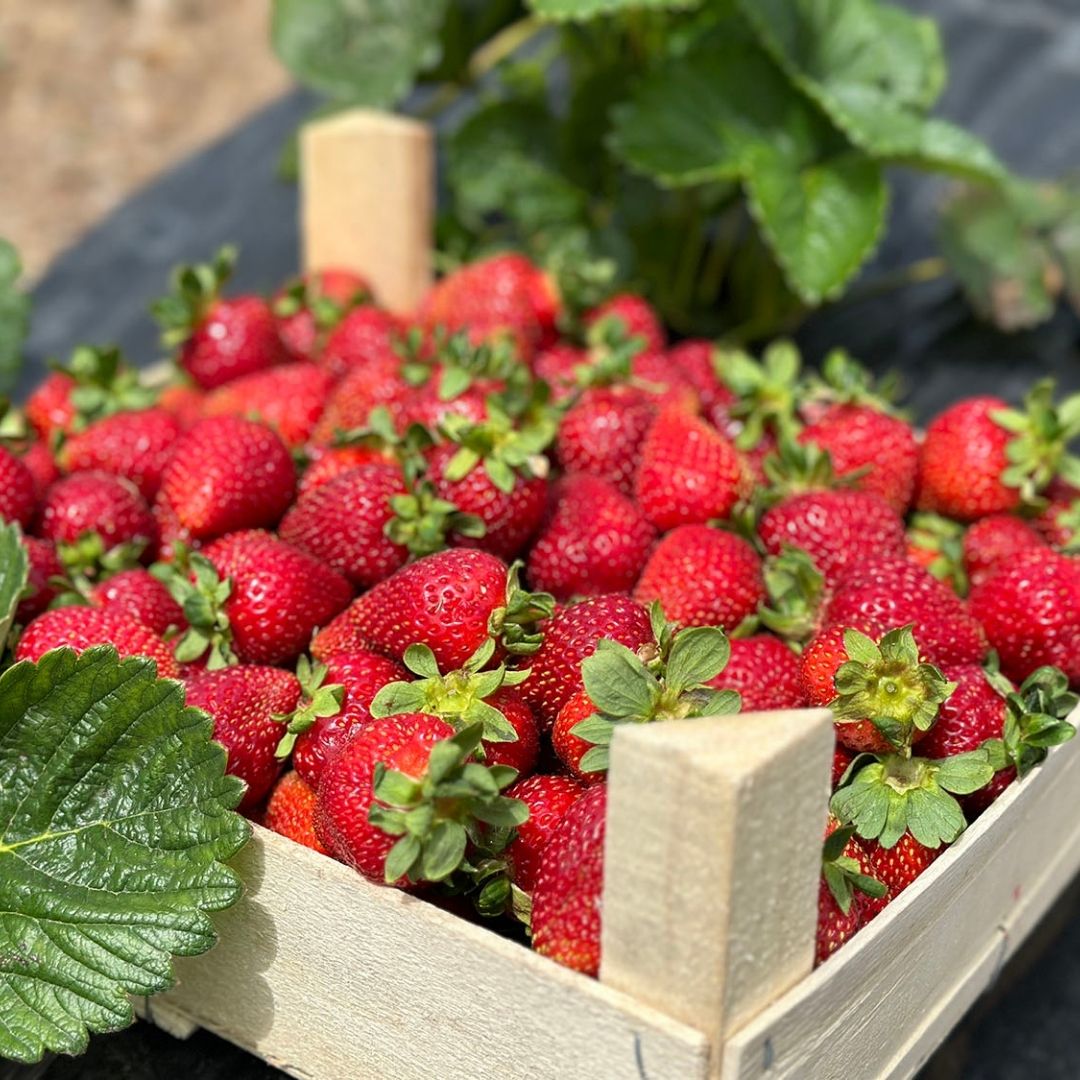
{"x":97,"y":96}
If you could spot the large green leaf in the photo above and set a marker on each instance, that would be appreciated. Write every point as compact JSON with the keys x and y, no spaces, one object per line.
{"x":115,"y":816}
{"x":365,"y":52}
{"x":14,"y":567}
{"x":874,"y":69}
{"x":582,"y":10}
{"x":14,"y":316}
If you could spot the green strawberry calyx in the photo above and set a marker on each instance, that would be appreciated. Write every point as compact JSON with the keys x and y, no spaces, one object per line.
{"x":458,"y":362}
{"x":667,"y":681}
{"x":318,"y":701}
{"x":195,"y":585}
{"x":943,"y":538}
{"x":105,"y":384}
{"x":87,"y":561}
{"x":516,"y":622}
{"x":844,"y":381}
{"x":437,"y":816}
{"x":302,"y":294}
{"x":843,"y":874}
{"x":766,"y":391}
{"x":795,"y":591}
{"x":458,"y":697}
{"x":610,"y":356}
{"x":195,"y":289}
{"x":1038,"y":451}
{"x":422,"y":520}
{"x":796,"y":467}
{"x":886,"y":683}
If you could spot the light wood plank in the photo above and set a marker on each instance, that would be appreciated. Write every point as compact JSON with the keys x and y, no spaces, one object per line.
{"x":712,"y":862}
{"x":328,"y":976}
{"x":885,"y":1001}
{"x":368,"y":201}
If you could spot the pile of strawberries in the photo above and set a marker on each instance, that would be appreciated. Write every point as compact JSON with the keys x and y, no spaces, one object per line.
{"x":419,"y":569}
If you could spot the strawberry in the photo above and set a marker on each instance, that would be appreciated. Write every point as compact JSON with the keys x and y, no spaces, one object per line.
{"x":634,"y":316}
{"x":374,"y":381}
{"x":569,"y":747}
{"x":361,"y":675}
{"x":558,"y":366}
{"x":1030,"y":609}
{"x":697,"y":361}
{"x":980,"y":457}
{"x":603,"y":432}
{"x":18,"y":495}
{"x":688,"y":472}
{"x":290,"y":811}
{"x":44,"y":566}
{"x":547,"y":798}
{"x":568,"y":638}
{"x":288,"y":399}
{"x":100,"y":504}
{"x":450,"y":601}
{"x":937,"y":544}
{"x":343,"y":523}
{"x":387,"y":772}
{"x":703,"y":577}
{"x":37,"y":457}
{"x":898,"y":866}
{"x":501,"y":297}
{"x":973,"y":713}
{"x":81,"y":628}
{"x":842,"y":758}
{"x":765,"y":672}
{"x":183,"y":401}
{"x":326,"y":463}
{"x":366,"y":336}
{"x":49,"y":409}
{"x":994,"y":540}
{"x":309,"y":307}
{"x":244,"y":703}
{"x":133,"y":445}
{"x":595,"y":540}
{"x":217,"y":339}
{"x":225,"y":474}
{"x":254,"y":598}
{"x":568,"y":894}
{"x":138,"y":594}
{"x":850,"y":894}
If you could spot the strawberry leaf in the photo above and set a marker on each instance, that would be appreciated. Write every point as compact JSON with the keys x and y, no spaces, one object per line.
{"x":14,"y":570}
{"x":697,"y":655}
{"x":14,"y":316}
{"x":964,"y":773}
{"x":617,"y":681}
{"x":583,"y":10}
{"x":116,"y":817}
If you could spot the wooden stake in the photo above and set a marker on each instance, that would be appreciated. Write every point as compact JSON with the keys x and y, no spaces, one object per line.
{"x":367,"y":201}
{"x":712,"y":863}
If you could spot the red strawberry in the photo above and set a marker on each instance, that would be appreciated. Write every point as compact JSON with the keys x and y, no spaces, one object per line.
{"x":569,"y":747}
{"x":37,"y":457}
{"x":243,"y":703}
{"x":44,"y":565}
{"x":81,"y":628}
{"x":688,"y":473}
{"x":290,"y":811}
{"x":96,"y":502}
{"x":134,"y":445}
{"x":696,"y":359}
{"x":843,"y":905}
{"x":973,"y":713}
{"x":834,"y":926}
{"x":568,"y":894}
{"x":309,"y":308}
{"x":18,"y":495}
{"x":375,"y":381}
{"x":665,"y":383}
{"x":633,"y":315}
{"x":225,"y":474}
{"x":557,"y":366}
{"x":602,"y":434}
{"x":765,"y":672}
{"x":288,"y":399}
{"x":49,"y":409}
{"x":937,"y":544}
{"x":842,"y":758}
{"x":183,"y":401}
{"x":328,"y":463}
{"x":343,"y":523}
{"x":595,"y":540}
{"x":365,"y":337}
{"x":897,"y":867}
{"x":218,"y":339}
{"x":548,"y":798}
{"x":569,"y":637}
{"x":138,"y":594}
{"x":994,"y":540}
{"x":703,"y":577}
{"x":521,"y":753}
{"x":1030,"y":609}
{"x":361,"y":675}
{"x":430,"y":408}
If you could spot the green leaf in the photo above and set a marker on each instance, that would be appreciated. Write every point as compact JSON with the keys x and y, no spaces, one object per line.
{"x":444,"y":849}
{"x":717,"y":702}
{"x":860,"y":648}
{"x":398,"y":697}
{"x":115,"y":819}
{"x":420,"y":660}
{"x":365,"y":52}
{"x":401,"y":858}
{"x":583,"y":10}
{"x":697,"y":655}
{"x":595,"y":760}
{"x":964,"y":773}
{"x":14,"y":571}
{"x":14,"y":316}
{"x":617,"y":682}
{"x":595,"y":729}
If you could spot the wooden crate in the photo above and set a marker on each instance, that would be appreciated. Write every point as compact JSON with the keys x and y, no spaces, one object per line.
{"x":711,"y":866}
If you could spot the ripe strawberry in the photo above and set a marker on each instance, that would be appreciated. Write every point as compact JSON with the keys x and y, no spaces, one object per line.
{"x":18,"y":496}
{"x":44,"y":565}
{"x":842,"y":758}
{"x":328,"y":463}
{"x":375,"y":381}
{"x":937,"y":545}
{"x":595,"y":540}
{"x":558,"y":366}
{"x":290,"y":811}
{"x":503,"y":296}
{"x":217,"y":339}
{"x":568,"y":894}
{"x":183,"y":401}
{"x":134,"y":445}
{"x":688,"y":473}
{"x":361,"y":675}
{"x":548,"y":798}
{"x":696,"y":359}
{"x":431,"y":408}
{"x":365,"y":337}
{"x":96,"y":502}
{"x":850,"y":894}
{"x":80,"y":628}
{"x":703,"y":577}
{"x":765,"y":672}
{"x":243,"y":703}
{"x":603,"y":432}
{"x":49,"y":409}
{"x":37,"y":457}
{"x":255,"y":598}
{"x":994,"y":540}
{"x":973,"y":713}
{"x":308,"y":308}
{"x":138,"y":594}
{"x":897,"y":867}
{"x":569,"y":637}
{"x":1030,"y":609}
{"x":834,"y":925}
{"x":288,"y":399}
{"x":634,"y":316}
{"x":343,"y":523}
{"x":225,"y":474}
